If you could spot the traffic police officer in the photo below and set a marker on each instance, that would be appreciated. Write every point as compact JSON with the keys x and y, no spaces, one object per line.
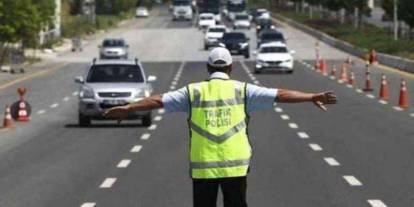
{"x":219,"y":111}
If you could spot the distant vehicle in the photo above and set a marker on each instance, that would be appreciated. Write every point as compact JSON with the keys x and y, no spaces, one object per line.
{"x":264,"y":24}
{"x":113,"y":49}
{"x":210,"y":6}
{"x":213,"y":35}
{"x":182,"y":9}
{"x":274,"y":56}
{"x":266,"y":36}
{"x":234,"y":7}
{"x":112,"y":83}
{"x":241,"y":21}
{"x":142,"y":12}
{"x":206,"y":20}
{"x":261,"y":14}
{"x":237,"y":43}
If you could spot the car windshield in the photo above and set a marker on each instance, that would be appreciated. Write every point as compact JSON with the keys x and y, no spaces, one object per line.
{"x":181,"y":3}
{"x":115,"y":74}
{"x":113,"y":43}
{"x":272,"y":36}
{"x":242,"y":17}
{"x":206,"y":17}
{"x":274,"y":50}
{"x":217,"y":30}
{"x":234,"y":36}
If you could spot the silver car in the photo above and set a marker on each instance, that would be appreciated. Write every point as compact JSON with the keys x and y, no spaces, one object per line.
{"x":113,"y":49}
{"x":110,"y":83}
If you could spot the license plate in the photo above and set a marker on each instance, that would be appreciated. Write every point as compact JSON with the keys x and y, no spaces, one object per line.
{"x":114,"y":102}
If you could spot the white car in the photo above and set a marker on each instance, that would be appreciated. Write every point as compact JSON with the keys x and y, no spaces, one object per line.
{"x":274,"y":56}
{"x":263,"y":14}
{"x":206,"y":20}
{"x":241,"y":21}
{"x":213,"y":34}
{"x":142,"y":12}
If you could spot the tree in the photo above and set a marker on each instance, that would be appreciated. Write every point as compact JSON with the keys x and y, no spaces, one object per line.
{"x":406,"y":12}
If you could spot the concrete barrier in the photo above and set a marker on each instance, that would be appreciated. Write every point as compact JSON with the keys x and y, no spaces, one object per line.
{"x":400,"y":63}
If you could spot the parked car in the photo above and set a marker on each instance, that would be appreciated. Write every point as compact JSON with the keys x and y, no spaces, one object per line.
{"x":213,"y":35}
{"x":110,"y":83}
{"x":142,"y":12}
{"x":206,"y":20}
{"x":237,"y":43}
{"x":113,"y":49}
{"x":274,"y":56}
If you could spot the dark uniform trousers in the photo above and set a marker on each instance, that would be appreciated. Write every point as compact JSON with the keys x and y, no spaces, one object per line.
{"x":233,"y":189}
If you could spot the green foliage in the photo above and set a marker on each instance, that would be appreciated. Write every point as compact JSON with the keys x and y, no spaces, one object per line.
{"x":406,"y":11}
{"x":114,"y":7}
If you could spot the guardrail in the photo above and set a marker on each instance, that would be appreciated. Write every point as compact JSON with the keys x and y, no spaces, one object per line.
{"x":400,"y":63}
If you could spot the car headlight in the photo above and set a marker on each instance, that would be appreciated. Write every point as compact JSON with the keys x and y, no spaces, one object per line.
{"x":244,"y":45}
{"x":86,"y":92}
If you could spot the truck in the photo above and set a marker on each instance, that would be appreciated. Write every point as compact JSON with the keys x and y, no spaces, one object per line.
{"x":182,"y":9}
{"x":234,"y":7}
{"x":210,"y":6}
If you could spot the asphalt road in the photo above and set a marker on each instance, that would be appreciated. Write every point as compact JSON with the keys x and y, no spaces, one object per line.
{"x":356,"y":154}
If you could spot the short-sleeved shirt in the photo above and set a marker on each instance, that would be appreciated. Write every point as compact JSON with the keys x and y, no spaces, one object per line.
{"x":257,"y":97}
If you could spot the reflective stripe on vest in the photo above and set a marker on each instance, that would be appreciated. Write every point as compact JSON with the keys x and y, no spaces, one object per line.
{"x":227,"y":163}
{"x":221,"y":138}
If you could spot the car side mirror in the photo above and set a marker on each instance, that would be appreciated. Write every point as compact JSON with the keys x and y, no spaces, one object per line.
{"x":79,"y":80}
{"x":292,"y":52}
{"x":151,"y":78}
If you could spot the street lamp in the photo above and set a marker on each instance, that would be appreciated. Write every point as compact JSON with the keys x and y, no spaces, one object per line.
{"x":395,"y":20}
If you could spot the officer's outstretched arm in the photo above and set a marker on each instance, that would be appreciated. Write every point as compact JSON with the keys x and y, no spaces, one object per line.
{"x":120,"y":112}
{"x":319,"y":99}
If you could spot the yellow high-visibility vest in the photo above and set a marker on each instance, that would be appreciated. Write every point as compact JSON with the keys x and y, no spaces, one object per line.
{"x":220,"y":146}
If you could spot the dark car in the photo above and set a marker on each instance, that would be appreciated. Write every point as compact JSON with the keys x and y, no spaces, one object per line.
{"x":264,"y":24}
{"x":237,"y":43}
{"x":270,"y":36}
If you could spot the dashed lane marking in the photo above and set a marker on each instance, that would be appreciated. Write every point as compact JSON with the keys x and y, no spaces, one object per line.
{"x":352,"y":180}
{"x":146,"y":136}
{"x":303,"y":135}
{"x":123,"y":164}
{"x":88,"y":204}
{"x":293,"y":125}
{"x":75,"y":93}
{"x":331,"y":161}
{"x":161,"y":111}
{"x":41,"y":112}
{"x":285,"y":117}
{"x":174,"y":83}
{"x":158,"y":118}
{"x":54,"y":105}
{"x":152,"y":127}
{"x":397,"y":108}
{"x":349,"y":86}
{"x":66,"y":99}
{"x":370,"y":96}
{"x":136,"y":149}
{"x":383,"y":102}
{"x":315,"y":147}
{"x":256,"y":82}
{"x":412,"y":115}
{"x":108,"y":183}
{"x":172,"y":88}
{"x":278,"y":110}
{"x":358,"y":90}
{"x":376,"y":203}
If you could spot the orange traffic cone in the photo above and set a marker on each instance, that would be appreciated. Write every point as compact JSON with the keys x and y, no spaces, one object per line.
{"x":7,"y":121}
{"x":349,"y":60}
{"x":333,"y":72}
{"x":344,"y":74}
{"x":368,"y":82}
{"x":351,"y":81}
{"x":317,"y":65}
{"x":403,"y":102}
{"x":23,"y":116}
{"x":373,"y":58}
{"x":324,"y":68}
{"x":384,"y":92}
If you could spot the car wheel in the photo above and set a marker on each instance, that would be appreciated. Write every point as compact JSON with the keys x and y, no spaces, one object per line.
{"x":247,"y":55}
{"x":290,"y":71}
{"x":84,"y":120}
{"x":256,"y":71}
{"x":147,"y":120}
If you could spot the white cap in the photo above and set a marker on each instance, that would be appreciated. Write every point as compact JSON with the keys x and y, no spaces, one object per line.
{"x":220,"y":57}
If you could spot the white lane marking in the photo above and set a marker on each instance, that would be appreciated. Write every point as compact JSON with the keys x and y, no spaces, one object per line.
{"x":176,"y":78}
{"x":161,"y":111}
{"x":66,"y":99}
{"x":108,"y":183}
{"x":352,"y":181}
{"x":315,"y":147}
{"x":88,"y":204}
{"x":331,"y":161}
{"x":152,"y":127}
{"x":349,"y":86}
{"x":158,"y":118}
{"x":285,"y":117}
{"x":172,"y":88}
{"x":358,"y":90}
{"x":412,"y":115}
{"x":293,"y":125}
{"x":397,"y":108}
{"x":370,"y":96}
{"x":376,"y":203}
{"x":256,"y":82}
{"x":123,"y":164}
{"x":253,"y":78}
{"x":41,"y":112}
{"x":383,"y":102}
{"x":278,"y":110}
{"x":174,"y":83}
{"x":340,"y":81}
{"x":145,"y":136}
{"x":54,"y":105}
{"x":136,"y":148}
{"x":332,"y":77}
{"x":75,"y":93}
{"x":303,"y":135}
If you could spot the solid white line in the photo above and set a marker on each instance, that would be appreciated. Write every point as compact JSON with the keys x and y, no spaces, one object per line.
{"x":75,"y":93}
{"x":383,"y":102}
{"x":293,"y":125}
{"x":376,"y":203}
{"x":315,"y":147}
{"x":303,"y":135}
{"x":123,"y":164}
{"x":158,"y":118}
{"x":161,"y":111}
{"x":41,"y":112}
{"x":397,"y":108}
{"x":285,"y":117}
{"x":358,"y":90}
{"x":54,"y":105}
{"x":145,"y":136}
{"x":152,"y":127}
{"x":107,"y":183}
{"x":136,"y":148}
{"x":88,"y":204}
{"x":331,"y":161}
{"x":352,"y":181}
{"x":278,"y":110}
{"x":370,"y":96}
{"x":66,"y":99}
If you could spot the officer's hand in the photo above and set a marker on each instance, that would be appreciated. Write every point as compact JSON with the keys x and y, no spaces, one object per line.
{"x":119,"y":112}
{"x":323,"y":99}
